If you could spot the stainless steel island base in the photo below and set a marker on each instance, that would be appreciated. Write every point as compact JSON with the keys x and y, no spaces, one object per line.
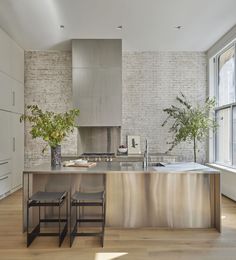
{"x":155,"y":197}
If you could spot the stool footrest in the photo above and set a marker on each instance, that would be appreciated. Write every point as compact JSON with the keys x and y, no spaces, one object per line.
{"x":48,"y":234}
{"x":34,"y":203}
{"x":88,"y":234}
{"x":52,"y":220}
{"x":90,"y":220}
{"x":87,"y":203}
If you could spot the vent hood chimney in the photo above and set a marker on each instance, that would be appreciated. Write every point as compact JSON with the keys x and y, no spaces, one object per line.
{"x":97,"y":81}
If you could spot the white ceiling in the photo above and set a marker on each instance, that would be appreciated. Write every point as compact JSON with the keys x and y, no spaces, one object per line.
{"x":147,"y":24}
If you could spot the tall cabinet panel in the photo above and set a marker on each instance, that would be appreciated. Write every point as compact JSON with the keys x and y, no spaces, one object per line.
{"x":17,"y":150}
{"x":5,"y":92}
{"x":11,"y":107}
{"x":17,"y":97}
{"x":5,"y":52}
{"x":5,"y":135}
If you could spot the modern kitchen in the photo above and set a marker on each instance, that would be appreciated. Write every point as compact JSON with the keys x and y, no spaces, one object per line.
{"x":117,"y":133}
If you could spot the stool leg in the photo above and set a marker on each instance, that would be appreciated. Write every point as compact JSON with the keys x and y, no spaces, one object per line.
{"x":104,"y":220}
{"x":79,"y":215}
{"x":36,"y":230}
{"x":76,"y":217}
{"x":59,"y":224}
{"x":73,"y":228}
{"x":28,"y":242}
{"x":39,"y":218}
{"x":67,"y":214}
{"x":70,"y":222}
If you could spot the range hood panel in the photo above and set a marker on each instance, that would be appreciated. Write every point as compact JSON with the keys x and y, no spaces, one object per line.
{"x":97,"y":81}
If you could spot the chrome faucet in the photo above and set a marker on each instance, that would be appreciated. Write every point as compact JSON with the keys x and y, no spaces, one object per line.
{"x":145,"y":156}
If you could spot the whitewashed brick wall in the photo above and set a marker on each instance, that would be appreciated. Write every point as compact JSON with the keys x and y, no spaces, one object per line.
{"x":151,"y":82}
{"x":48,"y":83}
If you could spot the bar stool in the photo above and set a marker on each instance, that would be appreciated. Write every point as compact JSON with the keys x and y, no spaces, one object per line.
{"x":83,"y":199}
{"x":48,"y":199}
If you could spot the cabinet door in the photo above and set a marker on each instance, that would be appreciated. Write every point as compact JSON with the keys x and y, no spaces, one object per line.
{"x":17,"y":150}
{"x":17,"y":97}
{"x":5,"y":92}
{"x":5,"y":52}
{"x":17,"y":62}
{"x":5,"y":135}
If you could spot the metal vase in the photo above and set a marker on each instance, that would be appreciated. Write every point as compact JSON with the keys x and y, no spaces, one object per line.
{"x":56,"y":156}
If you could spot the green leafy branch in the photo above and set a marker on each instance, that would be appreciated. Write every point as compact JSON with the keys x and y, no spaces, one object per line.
{"x":50,"y":126}
{"x":189,"y":123}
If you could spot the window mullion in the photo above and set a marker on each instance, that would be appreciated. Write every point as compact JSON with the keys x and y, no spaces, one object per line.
{"x":231,"y":134}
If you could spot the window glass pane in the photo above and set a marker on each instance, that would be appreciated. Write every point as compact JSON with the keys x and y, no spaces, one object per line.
{"x":226,"y":77}
{"x":223,"y":151}
{"x":234,"y":136}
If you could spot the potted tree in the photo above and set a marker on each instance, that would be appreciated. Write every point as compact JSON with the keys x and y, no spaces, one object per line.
{"x":189,"y":123}
{"x":51,"y":127}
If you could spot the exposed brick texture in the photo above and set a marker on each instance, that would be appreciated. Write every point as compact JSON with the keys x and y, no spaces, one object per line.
{"x":48,"y":83}
{"x":151,"y":82}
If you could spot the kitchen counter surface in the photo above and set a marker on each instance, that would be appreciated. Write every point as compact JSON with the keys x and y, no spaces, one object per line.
{"x":123,"y":167}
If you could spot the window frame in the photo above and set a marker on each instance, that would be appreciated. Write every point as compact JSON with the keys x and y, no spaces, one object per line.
{"x":230,"y":105}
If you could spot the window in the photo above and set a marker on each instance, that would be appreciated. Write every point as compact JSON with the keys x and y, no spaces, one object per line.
{"x":225,"y":111}
{"x":226,"y":77}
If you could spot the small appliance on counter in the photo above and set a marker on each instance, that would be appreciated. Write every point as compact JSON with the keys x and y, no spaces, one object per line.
{"x":122,"y":150}
{"x":134,"y":144}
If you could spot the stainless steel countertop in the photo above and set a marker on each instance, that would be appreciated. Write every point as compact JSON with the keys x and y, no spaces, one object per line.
{"x":123,"y":167}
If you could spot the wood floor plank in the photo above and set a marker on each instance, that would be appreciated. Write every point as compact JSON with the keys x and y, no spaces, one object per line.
{"x":135,"y":243}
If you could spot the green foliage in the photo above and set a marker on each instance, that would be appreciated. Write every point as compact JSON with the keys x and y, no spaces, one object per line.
{"x":50,"y":126}
{"x":189,"y":123}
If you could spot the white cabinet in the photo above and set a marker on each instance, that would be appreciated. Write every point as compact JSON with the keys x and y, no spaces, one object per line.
{"x":11,"y":148}
{"x":11,"y":94}
{"x":17,"y":150}
{"x":5,"y":184}
{"x":11,"y":106}
{"x":5,"y":135}
{"x":17,"y":62}
{"x":5,"y":177}
{"x":5,"y":92}
{"x":5,"y":52}
{"x":17,"y":97}
{"x":11,"y":58}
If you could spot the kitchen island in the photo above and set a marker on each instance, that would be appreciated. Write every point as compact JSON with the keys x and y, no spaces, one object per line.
{"x":180,"y":195}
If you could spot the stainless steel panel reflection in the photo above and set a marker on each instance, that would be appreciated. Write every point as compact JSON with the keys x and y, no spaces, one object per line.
{"x":158,"y":200}
{"x":140,"y":199}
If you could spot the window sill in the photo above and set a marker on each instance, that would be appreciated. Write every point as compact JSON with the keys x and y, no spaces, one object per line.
{"x":221,"y":167}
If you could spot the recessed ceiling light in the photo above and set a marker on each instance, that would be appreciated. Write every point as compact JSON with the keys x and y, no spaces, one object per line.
{"x":120,"y":27}
{"x":62,"y":26}
{"x":178,"y":27}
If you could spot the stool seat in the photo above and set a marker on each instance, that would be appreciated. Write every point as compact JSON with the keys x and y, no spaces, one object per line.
{"x":93,"y":196}
{"x":42,"y":196}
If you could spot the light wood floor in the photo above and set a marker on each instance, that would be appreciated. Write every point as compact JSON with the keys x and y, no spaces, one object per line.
{"x":135,"y":244}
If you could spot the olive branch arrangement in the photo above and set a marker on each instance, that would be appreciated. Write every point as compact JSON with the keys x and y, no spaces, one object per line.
{"x":190,"y":123}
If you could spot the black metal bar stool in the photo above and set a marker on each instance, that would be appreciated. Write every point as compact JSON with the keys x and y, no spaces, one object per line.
{"x":83,"y":199}
{"x":48,"y":199}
